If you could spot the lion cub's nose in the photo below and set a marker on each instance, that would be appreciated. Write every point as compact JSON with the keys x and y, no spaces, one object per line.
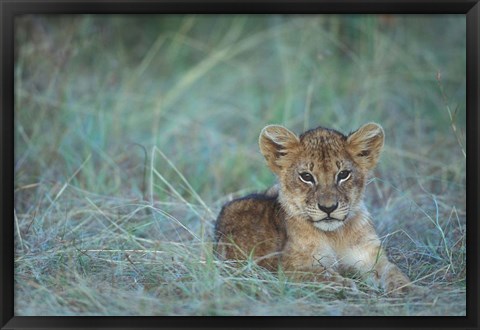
{"x":328,"y":209}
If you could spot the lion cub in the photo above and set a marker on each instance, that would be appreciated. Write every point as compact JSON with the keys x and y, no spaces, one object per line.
{"x":313,"y":224}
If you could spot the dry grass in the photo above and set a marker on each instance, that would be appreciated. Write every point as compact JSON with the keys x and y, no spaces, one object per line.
{"x":131,"y":133}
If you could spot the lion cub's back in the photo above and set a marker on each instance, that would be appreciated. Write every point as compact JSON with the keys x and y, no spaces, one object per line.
{"x":251,"y":224}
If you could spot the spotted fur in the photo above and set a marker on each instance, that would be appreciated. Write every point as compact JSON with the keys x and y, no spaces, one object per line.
{"x":313,"y":224}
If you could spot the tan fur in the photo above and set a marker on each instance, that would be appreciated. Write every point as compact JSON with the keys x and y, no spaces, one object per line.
{"x":313,"y":227}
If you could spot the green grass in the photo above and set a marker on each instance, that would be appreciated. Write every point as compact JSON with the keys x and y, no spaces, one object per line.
{"x":131,"y":132}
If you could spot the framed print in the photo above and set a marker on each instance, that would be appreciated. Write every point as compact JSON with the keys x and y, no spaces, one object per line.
{"x":239,"y":165}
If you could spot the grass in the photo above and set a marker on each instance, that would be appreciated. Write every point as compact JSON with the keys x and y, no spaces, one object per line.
{"x":132,"y":132}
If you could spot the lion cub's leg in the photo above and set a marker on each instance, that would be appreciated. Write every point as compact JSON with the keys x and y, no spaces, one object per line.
{"x":371,"y":259}
{"x":391,"y":278}
{"x":315,"y":264}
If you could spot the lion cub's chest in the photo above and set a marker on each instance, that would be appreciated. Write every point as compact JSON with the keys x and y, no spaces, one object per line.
{"x":337,"y":258}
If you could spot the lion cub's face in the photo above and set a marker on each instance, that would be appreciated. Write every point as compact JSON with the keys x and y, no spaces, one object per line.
{"x":322,"y":173}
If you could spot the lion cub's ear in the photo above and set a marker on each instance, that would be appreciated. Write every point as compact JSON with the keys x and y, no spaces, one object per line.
{"x":365,"y":145}
{"x":278,"y":146}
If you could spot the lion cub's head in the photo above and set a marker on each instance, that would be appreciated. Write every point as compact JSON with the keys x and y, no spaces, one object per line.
{"x":322,"y":173}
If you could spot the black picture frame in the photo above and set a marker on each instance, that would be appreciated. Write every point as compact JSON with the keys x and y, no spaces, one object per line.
{"x":8,"y":11}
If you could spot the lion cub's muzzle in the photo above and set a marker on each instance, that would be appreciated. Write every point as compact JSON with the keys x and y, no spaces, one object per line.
{"x":328,"y":213}
{"x":328,"y":209}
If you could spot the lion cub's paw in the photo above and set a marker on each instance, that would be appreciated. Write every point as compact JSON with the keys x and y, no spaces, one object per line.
{"x":345,"y":282}
{"x":349,"y":283}
{"x":402,"y":288}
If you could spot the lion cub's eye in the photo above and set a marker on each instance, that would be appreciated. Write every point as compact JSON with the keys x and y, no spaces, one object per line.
{"x":307,"y":177}
{"x":343,"y":175}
